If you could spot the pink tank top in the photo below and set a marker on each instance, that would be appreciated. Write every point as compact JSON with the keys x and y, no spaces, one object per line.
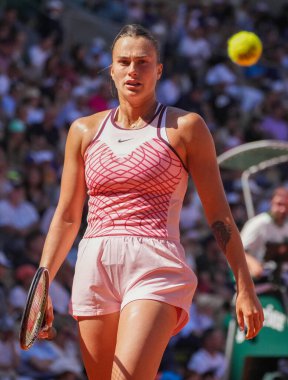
{"x":135,"y":179}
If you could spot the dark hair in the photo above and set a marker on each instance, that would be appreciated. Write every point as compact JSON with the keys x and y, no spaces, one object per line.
{"x":136,"y":30}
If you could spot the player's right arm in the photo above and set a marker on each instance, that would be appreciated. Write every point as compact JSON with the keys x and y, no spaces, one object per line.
{"x":68,"y":214}
{"x":67,"y":218}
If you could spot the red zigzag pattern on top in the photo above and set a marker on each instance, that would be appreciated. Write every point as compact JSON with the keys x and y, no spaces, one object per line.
{"x":130,"y":194}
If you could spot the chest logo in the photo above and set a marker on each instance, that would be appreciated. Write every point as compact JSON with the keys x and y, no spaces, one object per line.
{"x":123,"y":140}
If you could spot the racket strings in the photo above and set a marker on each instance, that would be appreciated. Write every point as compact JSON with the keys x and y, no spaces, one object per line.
{"x":35,"y":319}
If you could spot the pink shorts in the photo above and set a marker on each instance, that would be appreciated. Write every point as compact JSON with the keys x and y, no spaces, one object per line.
{"x":112,"y":271}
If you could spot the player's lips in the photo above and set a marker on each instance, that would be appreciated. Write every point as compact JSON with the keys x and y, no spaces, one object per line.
{"x":132,"y":84}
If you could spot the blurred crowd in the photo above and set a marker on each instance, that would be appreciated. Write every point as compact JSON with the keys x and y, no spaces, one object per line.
{"x":46,"y":83}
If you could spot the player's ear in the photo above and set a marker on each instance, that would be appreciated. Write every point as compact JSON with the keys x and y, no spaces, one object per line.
{"x":159,"y":70}
{"x":112,"y":72}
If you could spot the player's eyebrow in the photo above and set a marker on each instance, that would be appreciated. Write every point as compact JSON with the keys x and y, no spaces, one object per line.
{"x":129,"y":56}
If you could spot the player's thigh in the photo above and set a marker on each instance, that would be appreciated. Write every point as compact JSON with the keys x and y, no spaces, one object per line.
{"x":97,"y":342}
{"x":145,"y":328}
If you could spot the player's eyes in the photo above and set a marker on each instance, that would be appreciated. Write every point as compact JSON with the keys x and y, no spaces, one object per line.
{"x":127,"y":63}
{"x":124,"y":63}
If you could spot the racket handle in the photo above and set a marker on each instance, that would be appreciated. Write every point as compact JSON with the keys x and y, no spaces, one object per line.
{"x":51,"y":333}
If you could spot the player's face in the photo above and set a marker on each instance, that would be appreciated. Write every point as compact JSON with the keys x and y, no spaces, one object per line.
{"x":135,"y":69}
{"x":279,"y":208}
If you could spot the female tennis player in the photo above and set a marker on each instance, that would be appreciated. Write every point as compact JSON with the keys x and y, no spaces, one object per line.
{"x":132,"y":287}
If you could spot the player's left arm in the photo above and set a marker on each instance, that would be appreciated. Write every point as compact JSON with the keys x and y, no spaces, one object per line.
{"x":202,"y":164}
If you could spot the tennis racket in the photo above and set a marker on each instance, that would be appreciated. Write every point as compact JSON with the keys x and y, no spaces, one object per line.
{"x":33,"y":317}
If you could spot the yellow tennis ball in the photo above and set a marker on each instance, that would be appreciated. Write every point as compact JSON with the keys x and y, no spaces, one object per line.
{"x":245,"y":48}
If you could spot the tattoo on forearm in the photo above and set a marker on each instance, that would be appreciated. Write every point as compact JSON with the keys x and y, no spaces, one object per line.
{"x":222,"y":233}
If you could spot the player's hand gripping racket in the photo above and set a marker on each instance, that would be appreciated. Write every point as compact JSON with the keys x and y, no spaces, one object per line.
{"x":33,"y":318}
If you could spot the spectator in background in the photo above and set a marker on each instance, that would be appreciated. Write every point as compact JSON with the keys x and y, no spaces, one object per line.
{"x":213,"y":273}
{"x":75,"y":107}
{"x":170,"y":89}
{"x":57,"y":359}
{"x":253,"y":129}
{"x":31,"y":254}
{"x":4,"y":265}
{"x":209,"y":361}
{"x":11,"y":100}
{"x":97,"y":56}
{"x":202,"y":317}
{"x":15,"y":144}
{"x":191,"y":217}
{"x":230,"y":134}
{"x":9,"y":350}
{"x":39,"y":53}
{"x":194,"y":47}
{"x":220,"y":71}
{"x":267,"y":228}
{"x":35,"y":187}
{"x":18,"y":217}
{"x":192,"y":100}
{"x":50,"y":21}
{"x":99,"y":101}
{"x":19,"y":291}
{"x":45,"y":359}
{"x":5,"y":185}
{"x":78,"y":56}
{"x":4,"y":79}
{"x":34,"y":106}
{"x":274,"y":125}
{"x":222,"y":103}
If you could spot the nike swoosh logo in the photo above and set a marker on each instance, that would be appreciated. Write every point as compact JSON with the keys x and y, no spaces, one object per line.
{"x":120,"y":140}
